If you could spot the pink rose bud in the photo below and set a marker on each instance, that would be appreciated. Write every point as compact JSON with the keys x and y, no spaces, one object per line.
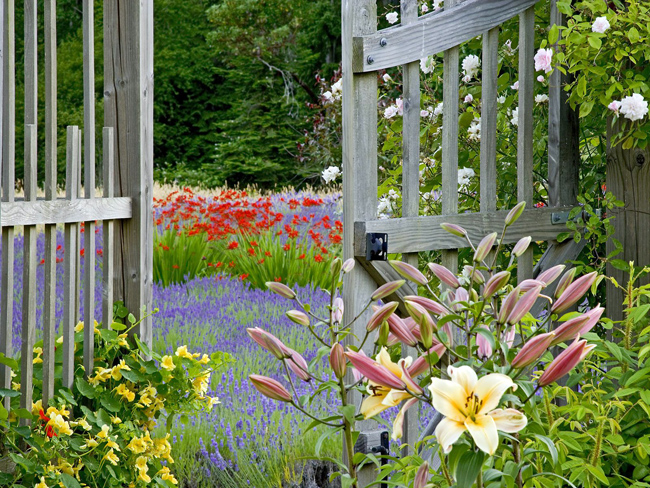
{"x":551,"y":274}
{"x":444,"y":275}
{"x":374,"y":371}
{"x":427,"y":304}
{"x":565,"y":281}
{"x":298,"y":317}
{"x":337,"y":312}
{"x":409,"y":272}
{"x":478,"y":277}
{"x":268,"y":341}
{"x":515,"y":213}
{"x":484,"y":247}
{"x":508,"y":305}
{"x":338,"y":360}
{"x":521,"y":246}
{"x":541,"y":78}
{"x":387,"y":289}
{"x":566,"y":361}
{"x":348,"y":265}
{"x":454,"y":229}
{"x":495,"y":283}
{"x":401,"y":330}
{"x":270,"y":388}
{"x":484,"y":346}
{"x":422,"y":476}
{"x":509,"y":336}
{"x":523,"y":306}
{"x":533,"y":350}
{"x":381,"y":314}
{"x":297,"y":364}
{"x":570,"y":329}
{"x":281,"y":289}
{"x":574,"y":292}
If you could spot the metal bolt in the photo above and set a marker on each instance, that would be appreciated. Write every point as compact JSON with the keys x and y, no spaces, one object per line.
{"x":383,"y":42}
{"x":370,"y":60}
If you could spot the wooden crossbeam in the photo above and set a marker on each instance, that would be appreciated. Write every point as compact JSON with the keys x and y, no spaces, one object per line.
{"x":64,"y":211}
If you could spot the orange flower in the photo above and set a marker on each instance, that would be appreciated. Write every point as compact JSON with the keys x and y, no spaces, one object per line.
{"x":233,"y":245}
{"x":318,"y":258}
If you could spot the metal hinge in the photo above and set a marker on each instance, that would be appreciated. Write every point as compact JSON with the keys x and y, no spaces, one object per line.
{"x":558,"y":218}
{"x":376,"y":246}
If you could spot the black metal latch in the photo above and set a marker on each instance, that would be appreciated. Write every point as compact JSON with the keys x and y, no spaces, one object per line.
{"x":563,"y":217}
{"x":374,"y":442}
{"x":376,"y":246}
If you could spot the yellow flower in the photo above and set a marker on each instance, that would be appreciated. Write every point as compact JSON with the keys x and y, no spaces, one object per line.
{"x":90,"y":443}
{"x":470,"y":404}
{"x":113,"y":445}
{"x":84,"y":424}
{"x":15,"y":386}
{"x":205,"y":359}
{"x":66,"y":467}
{"x":138,"y":445}
{"x":111,"y":457}
{"x":37,"y":407}
{"x":60,"y":425}
{"x":122,"y":340}
{"x":166,"y":475}
{"x":384,"y":397}
{"x":101,"y":375}
{"x":79,"y":327}
{"x":116,"y":372}
{"x":167,"y":363}
{"x":200,"y":383}
{"x":125,"y":393}
{"x":42,"y":484}
{"x":212,"y":401}
{"x":116,"y":420}
{"x":103,"y":434}
{"x":141,"y":465}
{"x":55,"y":411}
{"x":182,"y":352}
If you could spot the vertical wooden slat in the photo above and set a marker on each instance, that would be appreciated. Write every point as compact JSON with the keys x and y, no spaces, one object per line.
{"x":489,"y":121}
{"x":71,"y":231}
{"x":49,"y":307}
{"x":29,"y":276}
{"x":31,"y":62}
{"x":410,"y":184}
{"x":450,"y":145}
{"x":359,"y":17}
{"x":108,"y":143}
{"x":77,"y":277}
{"x":89,"y":181}
{"x":8,"y":186}
{"x":525,"y":127}
{"x":128,"y":90}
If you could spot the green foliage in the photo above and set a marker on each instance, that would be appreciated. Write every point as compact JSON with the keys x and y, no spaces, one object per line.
{"x":178,"y":256}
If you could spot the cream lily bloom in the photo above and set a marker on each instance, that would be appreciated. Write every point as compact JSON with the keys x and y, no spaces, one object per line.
{"x":470,"y":404}
{"x":383,"y":397}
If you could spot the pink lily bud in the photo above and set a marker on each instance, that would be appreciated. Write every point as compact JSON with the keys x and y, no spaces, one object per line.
{"x":570,"y":329}
{"x":427,"y":304}
{"x":495,"y":283}
{"x":337,"y":312}
{"x":515,"y":213}
{"x":551,"y":274}
{"x":374,"y":371}
{"x":387,"y":289}
{"x":484,"y":247}
{"x":454,"y":229}
{"x":281,"y":289}
{"x":574,"y":292}
{"x":338,"y":360}
{"x":268,"y":341}
{"x":409,"y":272}
{"x":523,"y":306}
{"x":422,"y":476}
{"x":484,"y":347}
{"x":528,"y":285}
{"x":401,"y":330}
{"x":297,"y":364}
{"x":509,"y":336}
{"x":420,"y":365}
{"x":521,"y":246}
{"x":270,"y":388}
{"x":444,"y":275}
{"x":566,"y":361}
{"x":348,"y":265}
{"x":406,"y":377}
{"x":478,"y":278}
{"x":298,"y":317}
{"x":565,"y":281}
{"x":447,"y":330}
{"x":533,"y":350}
{"x":381,"y":314}
{"x":461,"y":295}
{"x":508,"y":305}
{"x":594,"y":316}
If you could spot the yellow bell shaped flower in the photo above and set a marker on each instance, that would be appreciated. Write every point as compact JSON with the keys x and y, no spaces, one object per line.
{"x":470,"y":404}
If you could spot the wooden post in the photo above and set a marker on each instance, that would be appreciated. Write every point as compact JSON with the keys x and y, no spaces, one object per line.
{"x":628,"y":178}
{"x":128,"y":102}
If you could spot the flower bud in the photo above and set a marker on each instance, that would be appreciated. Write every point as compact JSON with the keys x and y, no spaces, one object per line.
{"x":298,"y":317}
{"x":566,"y":361}
{"x":484,"y":347}
{"x":565,"y":281}
{"x":281,"y":289}
{"x":521,"y":246}
{"x":384,"y":332}
{"x":570,"y":329}
{"x":478,"y":277}
{"x":297,"y":364}
{"x":594,"y":316}
{"x":427,"y":304}
{"x":444,"y":275}
{"x":533,"y":350}
{"x":507,"y":306}
{"x":515,"y":213}
{"x":348,"y":265}
{"x":495,"y":283}
{"x":509,"y":336}
{"x":270,"y":388}
{"x":484,"y":247}
{"x":409,"y":272}
{"x":551,"y":274}
{"x":422,"y":476}
{"x":338,"y":360}
{"x":268,"y":341}
{"x":381,"y":314}
{"x":574,"y":292}
{"x":335,"y":267}
{"x":387,"y":289}
{"x":401,"y":330}
{"x":454,"y":229}
{"x":337,"y":312}
{"x":375,"y":371}
{"x":523,"y":305}
{"x":420,"y":365}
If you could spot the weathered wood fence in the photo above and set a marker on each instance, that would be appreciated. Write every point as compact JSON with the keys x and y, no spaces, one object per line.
{"x":125,"y":207}
{"x":365,"y":51}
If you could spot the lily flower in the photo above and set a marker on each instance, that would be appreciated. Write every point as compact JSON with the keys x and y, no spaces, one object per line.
{"x":470,"y":404}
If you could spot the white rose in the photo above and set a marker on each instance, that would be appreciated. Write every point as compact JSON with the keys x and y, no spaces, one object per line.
{"x":391,"y":17}
{"x":541,"y":98}
{"x":600,"y":25}
{"x":390,"y":112}
{"x":634,"y":107}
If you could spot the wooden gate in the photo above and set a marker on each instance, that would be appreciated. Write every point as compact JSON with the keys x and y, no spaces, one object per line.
{"x":124,"y":207}
{"x":366,"y":51}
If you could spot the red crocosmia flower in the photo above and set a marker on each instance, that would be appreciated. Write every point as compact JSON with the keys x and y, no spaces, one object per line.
{"x":267,"y":254}
{"x":318,"y":258}
{"x":243,"y":276}
{"x":302,"y":256}
{"x":287,"y":247}
{"x":278,"y":279}
{"x":175,"y":266}
{"x":100,"y":252}
{"x":231,"y":264}
{"x":42,"y":261}
{"x":251,"y":251}
{"x":233,"y":245}
{"x":254,"y":244}
{"x":219,"y":264}
{"x":82,"y":253}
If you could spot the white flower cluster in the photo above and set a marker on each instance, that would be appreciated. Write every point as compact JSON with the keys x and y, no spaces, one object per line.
{"x":330,"y":174}
{"x":471,"y":64}
{"x":474,"y":130}
{"x":541,"y":98}
{"x":393,"y":110}
{"x":464,"y":176}
{"x":335,"y":93}
{"x":427,"y":65}
{"x":391,"y":17}
{"x":515,"y":117}
{"x":633,"y":107}
{"x":600,"y":25}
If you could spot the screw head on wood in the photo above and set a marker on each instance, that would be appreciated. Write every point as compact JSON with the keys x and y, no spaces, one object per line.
{"x":370,"y":60}
{"x":383,"y":42}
